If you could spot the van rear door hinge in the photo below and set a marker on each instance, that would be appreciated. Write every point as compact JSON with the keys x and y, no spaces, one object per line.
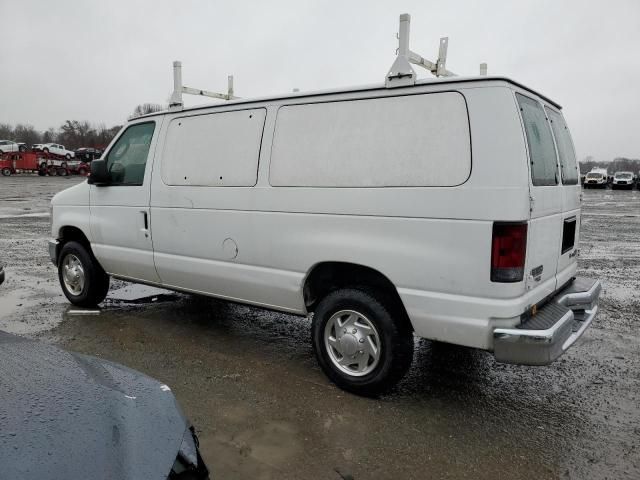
{"x":532,"y":202}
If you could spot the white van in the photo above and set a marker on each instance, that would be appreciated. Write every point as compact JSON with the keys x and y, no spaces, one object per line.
{"x":596,"y":178}
{"x":449,"y":210}
{"x":622,"y":180}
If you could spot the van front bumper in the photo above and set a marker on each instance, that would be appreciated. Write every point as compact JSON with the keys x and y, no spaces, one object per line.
{"x":549,"y":333}
{"x":53,"y":251}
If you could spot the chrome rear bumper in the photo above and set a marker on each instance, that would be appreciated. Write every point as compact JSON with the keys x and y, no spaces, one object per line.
{"x":555,"y":327}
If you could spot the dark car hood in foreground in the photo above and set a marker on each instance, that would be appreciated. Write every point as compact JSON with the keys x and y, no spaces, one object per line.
{"x":66,"y":415}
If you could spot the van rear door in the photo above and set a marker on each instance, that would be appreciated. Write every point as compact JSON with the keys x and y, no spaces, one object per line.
{"x":571,"y":189}
{"x":546,"y":200}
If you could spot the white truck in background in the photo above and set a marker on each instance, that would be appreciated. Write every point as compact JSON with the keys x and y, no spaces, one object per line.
{"x":624,"y":180}
{"x":596,"y":178}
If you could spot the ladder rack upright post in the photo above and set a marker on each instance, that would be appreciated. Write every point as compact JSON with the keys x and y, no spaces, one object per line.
{"x":402,"y":73}
{"x":176,"y":102}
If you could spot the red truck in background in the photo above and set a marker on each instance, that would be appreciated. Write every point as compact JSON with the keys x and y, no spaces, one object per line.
{"x":42,"y":163}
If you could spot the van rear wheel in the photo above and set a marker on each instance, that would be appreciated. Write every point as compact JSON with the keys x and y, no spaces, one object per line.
{"x":82,"y":279}
{"x":361,"y":343}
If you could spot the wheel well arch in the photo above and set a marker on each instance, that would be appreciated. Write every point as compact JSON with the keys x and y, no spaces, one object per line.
{"x":69,"y":233}
{"x":325,"y":277}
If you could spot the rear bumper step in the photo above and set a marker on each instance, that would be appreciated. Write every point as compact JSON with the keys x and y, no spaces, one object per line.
{"x":547,"y":335}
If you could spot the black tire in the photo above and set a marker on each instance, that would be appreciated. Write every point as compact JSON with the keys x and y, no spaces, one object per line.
{"x":22,"y":148}
{"x":396,"y":340}
{"x":6,"y":171}
{"x":45,"y":150}
{"x":42,"y":172}
{"x":68,"y":156}
{"x":96,"y":281}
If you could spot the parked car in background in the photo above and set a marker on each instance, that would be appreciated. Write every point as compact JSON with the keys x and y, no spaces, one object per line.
{"x":596,"y":178}
{"x":70,"y":416}
{"x":622,"y":180}
{"x":88,"y":154}
{"x":57,"y":149}
{"x":337,"y":205}
{"x":36,"y":147}
{"x":8,"y":146}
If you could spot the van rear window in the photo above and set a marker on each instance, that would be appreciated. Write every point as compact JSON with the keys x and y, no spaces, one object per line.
{"x":567,"y":155}
{"x":542,"y":152}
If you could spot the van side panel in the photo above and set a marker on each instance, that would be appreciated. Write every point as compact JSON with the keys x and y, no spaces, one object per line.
{"x":257,"y":244}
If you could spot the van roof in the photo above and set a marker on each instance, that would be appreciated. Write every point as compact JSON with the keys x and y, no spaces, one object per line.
{"x":378,"y":86}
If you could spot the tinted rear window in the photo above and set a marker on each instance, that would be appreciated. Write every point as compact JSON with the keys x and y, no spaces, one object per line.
{"x":542,"y":152}
{"x":567,"y":155}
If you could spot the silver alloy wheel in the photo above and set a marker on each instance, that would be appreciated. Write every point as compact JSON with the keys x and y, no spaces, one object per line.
{"x":352,"y":342}
{"x":73,"y":274}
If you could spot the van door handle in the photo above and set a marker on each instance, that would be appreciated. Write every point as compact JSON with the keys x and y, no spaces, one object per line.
{"x":145,"y":220}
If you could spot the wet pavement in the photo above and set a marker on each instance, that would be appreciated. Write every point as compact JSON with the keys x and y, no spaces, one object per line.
{"x":263,"y":409}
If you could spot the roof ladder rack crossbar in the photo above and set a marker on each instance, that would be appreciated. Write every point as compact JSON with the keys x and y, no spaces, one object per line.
{"x":402,"y":73}
{"x":176,"y":103}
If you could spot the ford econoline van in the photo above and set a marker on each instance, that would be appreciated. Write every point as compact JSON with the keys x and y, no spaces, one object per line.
{"x":448,"y":210}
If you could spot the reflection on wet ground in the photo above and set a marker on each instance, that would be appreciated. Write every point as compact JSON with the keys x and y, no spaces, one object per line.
{"x":248,"y":380}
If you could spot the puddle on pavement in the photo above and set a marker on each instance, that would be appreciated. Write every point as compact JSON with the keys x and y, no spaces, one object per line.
{"x":13,"y":300}
{"x":26,"y":316}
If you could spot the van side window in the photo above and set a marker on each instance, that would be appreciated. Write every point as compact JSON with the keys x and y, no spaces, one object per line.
{"x":405,"y":141}
{"x":542,"y":152}
{"x":213,"y":150}
{"x":567,"y":155}
{"x":127,"y":159}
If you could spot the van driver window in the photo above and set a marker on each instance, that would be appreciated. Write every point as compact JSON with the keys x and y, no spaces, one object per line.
{"x":127,"y":159}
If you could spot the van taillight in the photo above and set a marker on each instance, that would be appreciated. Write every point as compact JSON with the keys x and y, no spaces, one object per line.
{"x":508,"y":252}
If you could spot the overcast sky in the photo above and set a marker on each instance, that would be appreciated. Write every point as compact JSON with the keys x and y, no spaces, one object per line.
{"x":96,"y":60}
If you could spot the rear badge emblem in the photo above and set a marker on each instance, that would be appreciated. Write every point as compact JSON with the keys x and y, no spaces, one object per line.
{"x":536,"y":272}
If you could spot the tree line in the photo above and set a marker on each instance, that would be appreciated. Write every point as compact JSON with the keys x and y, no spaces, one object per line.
{"x":72,"y":134}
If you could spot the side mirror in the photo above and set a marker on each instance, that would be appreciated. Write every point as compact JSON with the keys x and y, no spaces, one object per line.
{"x":99,"y":173}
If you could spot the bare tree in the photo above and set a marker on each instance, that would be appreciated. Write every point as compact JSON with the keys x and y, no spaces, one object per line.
{"x":146,"y":108}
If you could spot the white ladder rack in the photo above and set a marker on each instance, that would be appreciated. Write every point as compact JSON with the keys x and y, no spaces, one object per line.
{"x":176,"y":103}
{"x":402,"y":73}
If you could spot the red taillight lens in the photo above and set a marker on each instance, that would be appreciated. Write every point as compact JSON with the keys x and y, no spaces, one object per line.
{"x":508,"y":252}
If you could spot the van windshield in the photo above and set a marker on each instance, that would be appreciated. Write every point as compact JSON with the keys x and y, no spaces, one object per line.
{"x":624,"y":176}
{"x":564,"y":144}
{"x":595,"y":176}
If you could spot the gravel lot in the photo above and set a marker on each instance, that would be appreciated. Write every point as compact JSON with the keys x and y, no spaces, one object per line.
{"x":263,"y":409}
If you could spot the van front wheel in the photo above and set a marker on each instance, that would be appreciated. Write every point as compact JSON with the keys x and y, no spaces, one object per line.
{"x":359,"y":344}
{"x":82,"y":279}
